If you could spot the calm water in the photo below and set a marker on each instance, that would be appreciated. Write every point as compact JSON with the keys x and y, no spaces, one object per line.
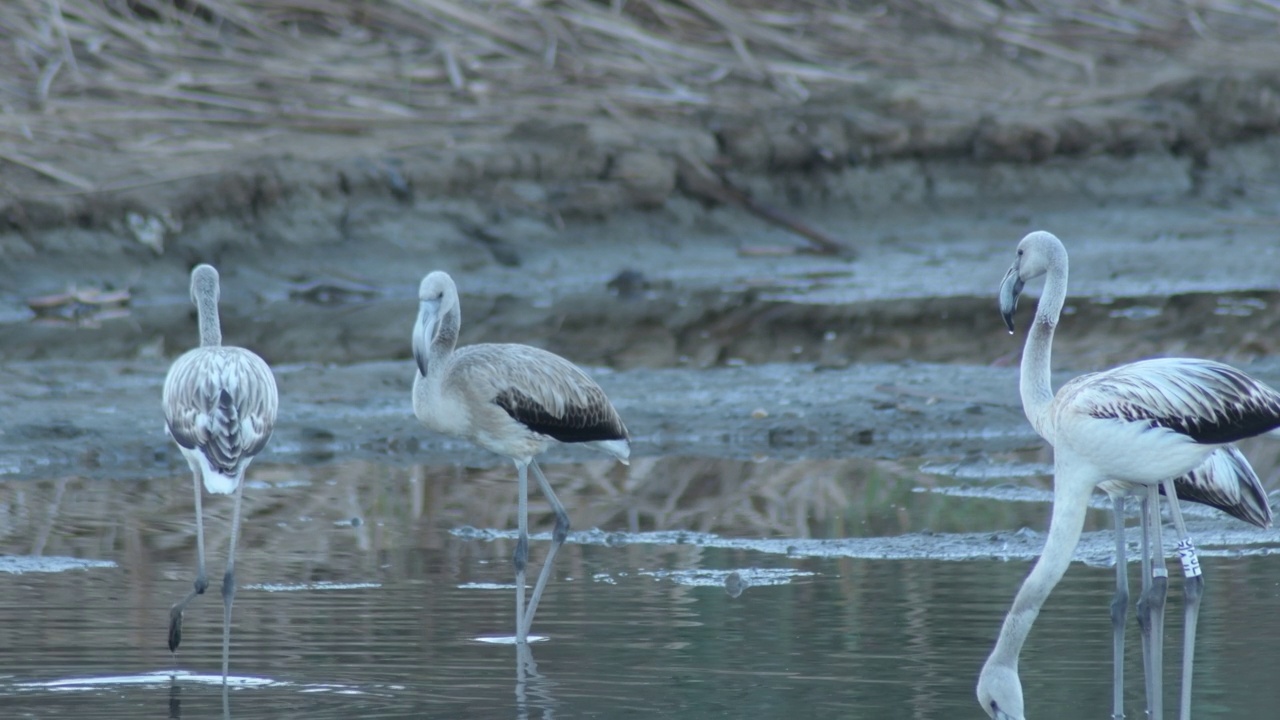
{"x":393,"y":616}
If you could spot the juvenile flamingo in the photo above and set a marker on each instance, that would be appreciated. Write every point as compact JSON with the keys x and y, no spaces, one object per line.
{"x":513,"y":400}
{"x":219,"y":407}
{"x":1145,"y":424}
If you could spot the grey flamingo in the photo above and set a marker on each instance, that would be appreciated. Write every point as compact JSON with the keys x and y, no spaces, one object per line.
{"x":513,"y":400}
{"x":219,"y":407}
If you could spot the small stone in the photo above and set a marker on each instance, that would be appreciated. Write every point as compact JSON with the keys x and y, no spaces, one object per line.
{"x":734,"y":584}
{"x":649,"y":178}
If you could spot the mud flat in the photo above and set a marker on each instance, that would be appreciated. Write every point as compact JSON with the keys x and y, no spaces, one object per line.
{"x":103,"y":419}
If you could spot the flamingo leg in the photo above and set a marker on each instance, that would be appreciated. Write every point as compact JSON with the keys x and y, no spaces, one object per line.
{"x":202,"y":580}
{"x":1151,"y":608}
{"x":1143,"y":618}
{"x":533,"y":689}
{"x":229,"y":582}
{"x":1119,"y":609}
{"x":1192,"y":590}
{"x":557,"y":539}
{"x":525,"y":666}
{"x":521,"y":556}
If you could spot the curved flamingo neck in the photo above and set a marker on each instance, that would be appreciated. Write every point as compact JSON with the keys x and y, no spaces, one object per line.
{"x":448,"y":323}
{"x":1034,"y":378}
{"x":1070,"y":501}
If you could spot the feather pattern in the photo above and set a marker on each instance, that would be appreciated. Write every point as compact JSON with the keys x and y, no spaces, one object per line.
{"x":1227,"y":481}
{"x":221,"y":402}
{"x":1206,"y":401}
{"x":540,"y":390}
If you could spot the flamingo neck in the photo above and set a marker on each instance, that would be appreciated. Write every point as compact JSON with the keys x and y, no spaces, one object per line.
{"x":1034,"y":381}
{"x":1070,"y":500}
{"x":435,"y":336}
{"x":446,"y":336}
{"x":210,"y":326}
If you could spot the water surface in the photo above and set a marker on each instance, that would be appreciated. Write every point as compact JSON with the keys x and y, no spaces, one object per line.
{"x":380,"y":592}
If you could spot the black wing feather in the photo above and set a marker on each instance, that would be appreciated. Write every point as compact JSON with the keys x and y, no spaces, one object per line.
{"x":1227,"y":481}
{"x":578,"y":424}
{"x":1224,"y":405}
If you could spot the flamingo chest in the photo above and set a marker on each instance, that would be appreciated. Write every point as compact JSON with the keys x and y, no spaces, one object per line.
{"x":442,"y":412}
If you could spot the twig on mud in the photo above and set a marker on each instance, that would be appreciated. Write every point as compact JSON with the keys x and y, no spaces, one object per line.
{"x":46,"y":169}
{"x":700,"y":181}
{"x":932,"y":397}
{"x":503,"y":252}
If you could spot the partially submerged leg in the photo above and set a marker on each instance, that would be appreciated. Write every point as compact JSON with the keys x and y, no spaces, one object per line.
{"x":229,"y":583}
{"x":1192,"y":590}
{"x":1144,"y":617}
{"x":533,"y":689}
{"x":558,"y":535}
{"x":1119,"y":609}
{"x":202,"y":581}
{"x":1152,"y":606}
{"x":521,"y":556}
{"x":525,"y":666}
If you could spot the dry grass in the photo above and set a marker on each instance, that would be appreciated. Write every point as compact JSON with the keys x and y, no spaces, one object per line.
{"x":163,"y":79}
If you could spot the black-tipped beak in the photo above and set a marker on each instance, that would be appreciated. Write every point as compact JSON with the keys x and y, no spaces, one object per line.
{"x":420,"y":358}
{"x":1010,"y":289}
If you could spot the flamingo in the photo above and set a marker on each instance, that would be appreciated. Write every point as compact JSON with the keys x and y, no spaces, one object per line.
{"x":513,"y":400}
{"x":1144,"y":424}
{"x":219,"y":407}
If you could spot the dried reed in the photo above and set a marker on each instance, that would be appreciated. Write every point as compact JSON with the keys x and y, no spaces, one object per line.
{"x":113,"y":71}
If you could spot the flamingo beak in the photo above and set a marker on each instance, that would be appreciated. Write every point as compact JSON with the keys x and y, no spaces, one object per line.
{"x":424,"y":331}
{"x":1010,"y":289}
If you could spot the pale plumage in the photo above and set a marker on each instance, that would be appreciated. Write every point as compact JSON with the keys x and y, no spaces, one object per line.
{"x":220,"y":404}
{"x":513,"y":400}
{"x":220,"y":407}
{"x":1225,"y":480}
{"x":1140,"y":425}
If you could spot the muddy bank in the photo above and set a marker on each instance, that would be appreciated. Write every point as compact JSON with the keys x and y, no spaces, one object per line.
{"x":1154,"y":271}
{"x":571,"y":168}
{"x":103,"y":419}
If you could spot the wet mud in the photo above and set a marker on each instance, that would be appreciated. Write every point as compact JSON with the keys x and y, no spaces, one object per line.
{"x":104,"y":419}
